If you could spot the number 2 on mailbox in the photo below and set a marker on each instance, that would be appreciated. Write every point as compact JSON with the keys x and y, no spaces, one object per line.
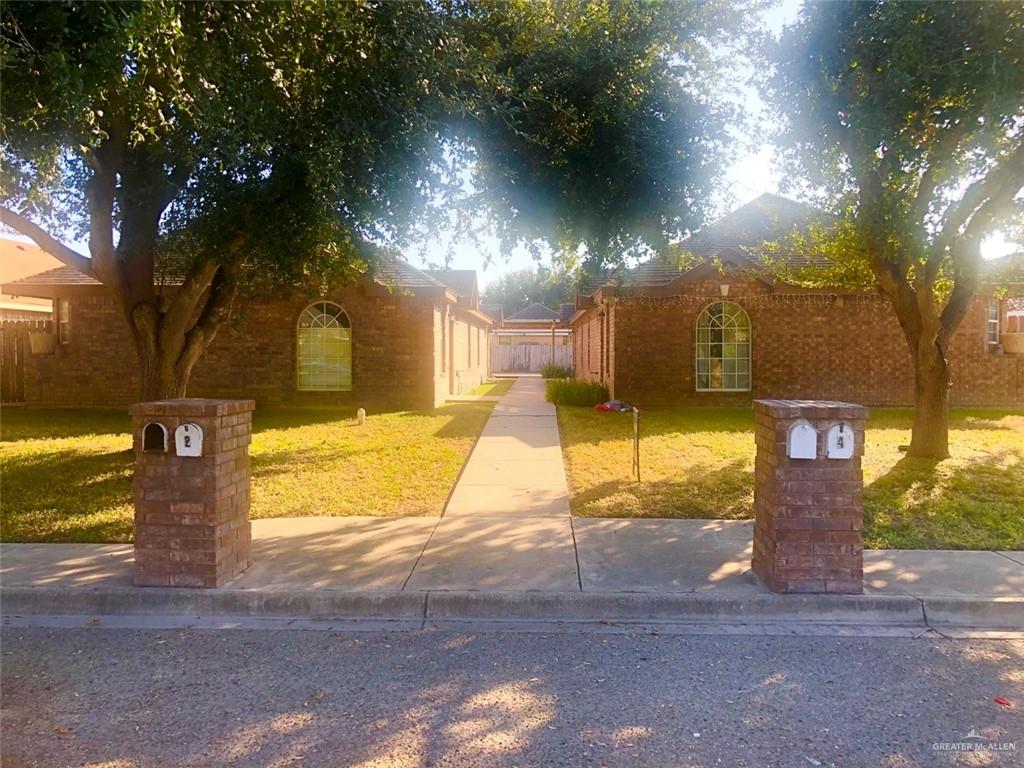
{"x":188,"y":440}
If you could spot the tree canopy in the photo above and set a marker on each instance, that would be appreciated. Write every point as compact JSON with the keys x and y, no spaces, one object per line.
{"x":521,"y":287}
{"x":282,"y":140}
{"x":907,"y":120}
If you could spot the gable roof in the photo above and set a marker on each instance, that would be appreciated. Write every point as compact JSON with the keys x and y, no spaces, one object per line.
{"x":462,"y":281}
{"x":494,"y":311}
{"x":765,"y":218}
{"x":534,"y":313}
{"x":402,"y":274}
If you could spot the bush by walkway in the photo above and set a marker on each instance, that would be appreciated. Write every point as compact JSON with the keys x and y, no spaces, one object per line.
{"x":698,"y":463}
{"x":67,"y":473}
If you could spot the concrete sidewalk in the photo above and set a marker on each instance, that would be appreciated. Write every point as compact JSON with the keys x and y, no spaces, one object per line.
{"x":668,"y":570}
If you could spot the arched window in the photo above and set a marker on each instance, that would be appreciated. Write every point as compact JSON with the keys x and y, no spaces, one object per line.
{"x":324,"y":348}
{"x":723,"y":348}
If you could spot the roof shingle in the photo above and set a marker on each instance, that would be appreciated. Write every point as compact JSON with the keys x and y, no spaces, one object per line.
{"x":764,"y":219}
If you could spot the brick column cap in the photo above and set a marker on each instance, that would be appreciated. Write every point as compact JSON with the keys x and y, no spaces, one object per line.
{"x":192,"y":406}
{"x":822,"y":409}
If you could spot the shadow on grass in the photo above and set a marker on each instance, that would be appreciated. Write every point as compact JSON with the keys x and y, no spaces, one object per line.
{"x":464,"y":419}
{"x":68,"y":496}
{"x":723,"y":492}
{"x":932,"y":504}
{"x":56,"y":423}
{"x":984,"y":419}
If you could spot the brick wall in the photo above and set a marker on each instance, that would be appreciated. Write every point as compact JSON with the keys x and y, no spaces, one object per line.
{"x":587,"y":346}
{"x":254,"y":356}
{"x":803,"y":345}
{"x":461,"y":352}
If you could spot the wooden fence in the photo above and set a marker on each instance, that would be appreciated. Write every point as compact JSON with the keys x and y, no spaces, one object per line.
{"x":528,"y":358}
{"x":14,"y":349}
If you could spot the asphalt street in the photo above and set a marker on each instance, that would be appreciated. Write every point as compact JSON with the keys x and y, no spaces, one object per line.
{"x":470,"y":697}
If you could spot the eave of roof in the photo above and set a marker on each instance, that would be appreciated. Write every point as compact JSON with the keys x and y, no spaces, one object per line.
{"x":392,"y":273}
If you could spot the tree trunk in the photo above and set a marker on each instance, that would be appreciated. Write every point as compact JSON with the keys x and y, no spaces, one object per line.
{"x":159,"y":379}
{"x":930,"y":436}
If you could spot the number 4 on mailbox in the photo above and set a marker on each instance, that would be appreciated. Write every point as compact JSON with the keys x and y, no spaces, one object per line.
{"x":188,"y":440}
{"x":839,"y":441}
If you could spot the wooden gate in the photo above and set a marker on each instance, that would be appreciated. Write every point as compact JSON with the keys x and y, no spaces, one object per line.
{"x":14,"y":350}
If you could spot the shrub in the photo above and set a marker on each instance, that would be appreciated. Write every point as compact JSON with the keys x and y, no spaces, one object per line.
{"x":552,"y":371}
{"x":576,"y":392}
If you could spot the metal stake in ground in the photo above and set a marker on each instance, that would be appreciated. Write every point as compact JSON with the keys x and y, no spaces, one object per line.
{"x":636,"y":443}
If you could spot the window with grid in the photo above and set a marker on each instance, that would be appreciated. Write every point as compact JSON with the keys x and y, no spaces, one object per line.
{"x":723,"y":348}
{"x":64,"y":321}
{"x":324,"y":348}
{"x":992,"y":323}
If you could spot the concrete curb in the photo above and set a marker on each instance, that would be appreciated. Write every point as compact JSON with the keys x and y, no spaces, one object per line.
{"x":996,"y":612}
{"x":863,"y":610}
{"x":685,"y":607}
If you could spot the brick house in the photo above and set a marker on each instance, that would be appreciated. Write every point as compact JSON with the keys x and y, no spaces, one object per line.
{"x":405,"y":338}
{"x":664,"y":333}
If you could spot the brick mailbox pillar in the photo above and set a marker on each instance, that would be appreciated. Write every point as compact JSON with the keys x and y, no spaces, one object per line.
{"x":191,"y":491}
{"x":808,"y":486}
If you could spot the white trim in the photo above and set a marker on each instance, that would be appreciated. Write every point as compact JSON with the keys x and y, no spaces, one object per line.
{"x":991,"y":322}
{"x":698,"y":358}
{"x":317,"y":311}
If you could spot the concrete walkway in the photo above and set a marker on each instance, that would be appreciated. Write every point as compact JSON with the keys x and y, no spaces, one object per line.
{"x":507,"y":524}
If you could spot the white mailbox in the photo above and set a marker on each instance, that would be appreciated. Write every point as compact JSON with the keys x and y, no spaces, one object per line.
{"x":802,"y":442}
{"x":839,"y":441}
{"x":188,"y":440}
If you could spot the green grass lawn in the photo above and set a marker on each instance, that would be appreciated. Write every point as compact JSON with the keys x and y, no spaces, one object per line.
{"x":698,"y":462}
{"x":496,"y":387}
{"x":66,"y":474}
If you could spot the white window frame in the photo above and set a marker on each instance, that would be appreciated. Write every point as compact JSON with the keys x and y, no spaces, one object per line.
{"x":64,"y":320}
{"x":323,"y":316}
{"x":992,"y":318}
{"x":703,"y":347}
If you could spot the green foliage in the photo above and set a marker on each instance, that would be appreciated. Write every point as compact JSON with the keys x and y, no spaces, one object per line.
{"x":552,"y":371}
{"x":521,"y":287}
{"x":575,"y":392}
{"x":317,"y":128}
{"x":610,"y":129}
{"x":906,"y":119}
{"x":897,"y":114}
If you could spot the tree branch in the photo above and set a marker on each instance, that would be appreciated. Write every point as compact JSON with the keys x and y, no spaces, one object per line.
{"x":940,"y":151}
{"x":218,"y":307}
{"x":47,"y":242}
{"x":967,"y":259}
{"x":1008,"y":173}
